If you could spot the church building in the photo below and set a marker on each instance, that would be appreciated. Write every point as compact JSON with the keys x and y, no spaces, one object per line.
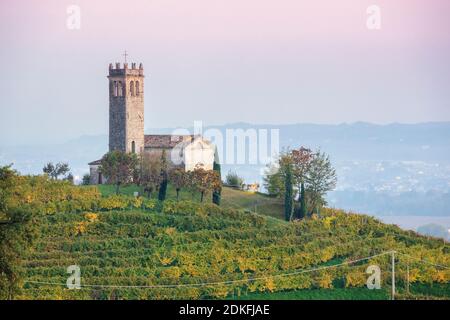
{"x":126,"y":126}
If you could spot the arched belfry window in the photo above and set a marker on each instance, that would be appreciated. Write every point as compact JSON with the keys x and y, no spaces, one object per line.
{"x":133,"y":147}
{"x":137,"y":88}
{"x":120,"y":89}
{"x":132,"y":88}
{"x":115,"y":89}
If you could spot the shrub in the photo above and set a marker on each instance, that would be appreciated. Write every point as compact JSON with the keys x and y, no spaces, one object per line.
{"x":86,"y":179}
{"x":136,"y":202}
{"x":212,"y":209}
{"x":117,"y":202}
{"x":324,"y":280}
{"x":355,"y":278}
{"x":150,"y":204}
{"x":51,"y":196}
{"x":183,"y":208}
{"x":233,"y":180}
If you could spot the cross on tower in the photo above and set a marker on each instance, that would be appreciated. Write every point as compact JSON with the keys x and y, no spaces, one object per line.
{"x":125,"y":55}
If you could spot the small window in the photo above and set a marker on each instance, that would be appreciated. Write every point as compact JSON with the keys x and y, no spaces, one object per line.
{"x":115,"y":89}
{"x":132,"y":88}
{"x":120,"y":91}
{"x":137,"y":88}
{"x":133,"y":147}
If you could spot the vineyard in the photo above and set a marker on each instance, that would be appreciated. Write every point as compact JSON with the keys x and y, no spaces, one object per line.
{"x":137,"y":248}
{"x":192,"y":251}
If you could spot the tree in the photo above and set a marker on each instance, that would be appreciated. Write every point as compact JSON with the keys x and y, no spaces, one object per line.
{"x":61,"y":169}
{"x":150,"y":172}
{"x":312,"y":173}
{"x":8,"y":178}
{"x":233,"y":180}
{"x":162,"y":193}
{"x":69,"y":178}
{"x":273,"y":181}
{"x":286,"y":169}
{"x":118,"y":167}
{"x":177,"y":178}
{"x":301,"y":160}
{"x":86,"y":179}
{"x":204,"y":181}
{"x":217,"y":194}
{"x":215,"y":183}
{"x":54,"y":171}
{"x":199,"y":181}
{"x":49,"y":169}
{"x":17,"y":231}
{"x":321,"y":178}
{"x":164,"y":177}
{"x":303,"y":209}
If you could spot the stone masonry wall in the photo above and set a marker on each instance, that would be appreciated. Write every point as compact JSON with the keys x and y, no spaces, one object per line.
{"x":126,"y":108}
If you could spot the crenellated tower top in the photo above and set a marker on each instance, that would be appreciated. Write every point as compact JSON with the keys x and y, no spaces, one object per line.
{"x":123,"y":69}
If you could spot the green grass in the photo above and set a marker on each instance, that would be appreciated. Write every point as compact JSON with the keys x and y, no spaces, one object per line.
{"x":417,"y":290}
{"x":107,"y":189}
{"x":231,"y":198}
{"x":321,"y":294}
{"x":435,"y":290}
{"x":255,"y":202}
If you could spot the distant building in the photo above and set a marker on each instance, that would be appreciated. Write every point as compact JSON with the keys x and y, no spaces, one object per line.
{"x":126,"y":126}
{"x":251,"y":187}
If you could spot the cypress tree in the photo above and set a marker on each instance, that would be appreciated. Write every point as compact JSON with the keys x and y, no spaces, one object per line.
{"x":162,"y":190}
{"x":163,"y":186}
{"x":289,"y":192}
{"x":302,"y":202}
{"x":217,"y":193}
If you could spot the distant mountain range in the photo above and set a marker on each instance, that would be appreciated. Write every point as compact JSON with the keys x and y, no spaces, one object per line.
{"x":401,"y":169}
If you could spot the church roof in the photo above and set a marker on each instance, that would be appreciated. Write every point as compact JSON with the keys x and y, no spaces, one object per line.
{"x":165,"y":140}
{"x":96,"y":162}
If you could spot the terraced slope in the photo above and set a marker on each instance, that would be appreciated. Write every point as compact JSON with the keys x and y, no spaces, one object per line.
{"x":218,"y":253}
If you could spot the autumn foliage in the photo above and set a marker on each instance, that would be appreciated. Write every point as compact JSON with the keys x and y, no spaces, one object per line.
{"x":135,"y":241}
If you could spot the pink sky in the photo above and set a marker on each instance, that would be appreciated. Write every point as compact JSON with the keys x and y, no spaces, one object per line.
{"x":244,"y":22}
{"x":241,"y":56}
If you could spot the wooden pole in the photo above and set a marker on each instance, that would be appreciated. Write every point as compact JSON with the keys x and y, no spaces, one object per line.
{"x":407,"y":277}
{"x":393,"y":274}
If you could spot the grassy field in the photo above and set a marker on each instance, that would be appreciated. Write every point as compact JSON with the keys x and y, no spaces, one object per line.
{"x":254,"y":202}
{"x":231,"y":198}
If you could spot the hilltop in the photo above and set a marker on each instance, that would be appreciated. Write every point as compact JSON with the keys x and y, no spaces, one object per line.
{"x":130,"y":248}
{"x":394,"y":169}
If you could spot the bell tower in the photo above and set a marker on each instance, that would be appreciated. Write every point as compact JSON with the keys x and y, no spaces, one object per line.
{"x":126,"y":107}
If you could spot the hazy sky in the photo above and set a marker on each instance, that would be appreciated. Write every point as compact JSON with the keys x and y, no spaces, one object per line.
{"x":220,"y":61}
